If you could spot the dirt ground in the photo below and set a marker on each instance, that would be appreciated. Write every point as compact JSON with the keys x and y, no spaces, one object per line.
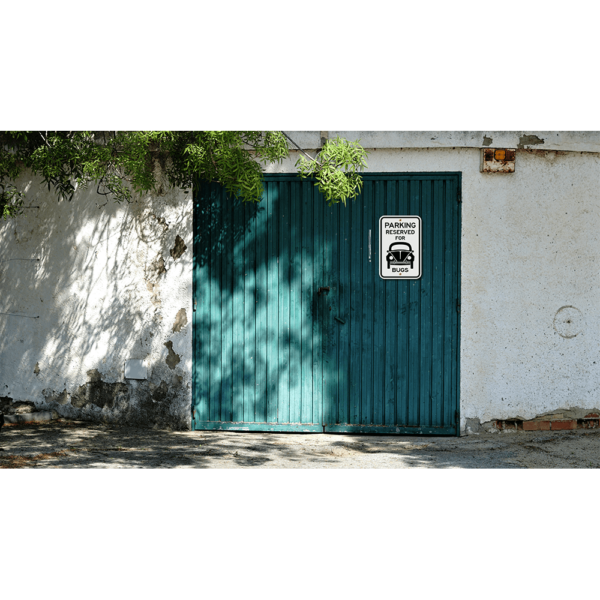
{"x":70,"y":444}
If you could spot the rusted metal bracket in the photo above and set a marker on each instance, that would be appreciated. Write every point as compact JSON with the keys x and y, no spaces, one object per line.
{"x":498,"y":160}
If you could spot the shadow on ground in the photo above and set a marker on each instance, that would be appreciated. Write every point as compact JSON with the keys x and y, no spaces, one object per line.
{"x":68,"y":444}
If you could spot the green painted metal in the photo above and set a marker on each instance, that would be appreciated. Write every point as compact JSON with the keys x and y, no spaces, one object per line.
{"x":369,"y":355}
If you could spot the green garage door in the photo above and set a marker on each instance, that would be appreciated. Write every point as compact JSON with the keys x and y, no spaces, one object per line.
{"x":295,"y":330}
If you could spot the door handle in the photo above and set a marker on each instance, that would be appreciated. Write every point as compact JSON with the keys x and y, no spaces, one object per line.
{"x":340,"y":320}
{"x":323,"y":289}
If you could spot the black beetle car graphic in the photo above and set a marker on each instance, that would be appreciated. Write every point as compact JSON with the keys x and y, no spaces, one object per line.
{"x":404,"y":256}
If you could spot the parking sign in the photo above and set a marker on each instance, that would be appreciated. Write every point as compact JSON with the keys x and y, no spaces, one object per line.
{"x":400,"y":247}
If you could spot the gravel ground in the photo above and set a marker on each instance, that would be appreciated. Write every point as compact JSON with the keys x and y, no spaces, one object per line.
{"x":71,"y":444}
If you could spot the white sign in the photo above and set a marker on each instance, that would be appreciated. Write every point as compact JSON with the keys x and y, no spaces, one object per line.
{"x":400,"y":250}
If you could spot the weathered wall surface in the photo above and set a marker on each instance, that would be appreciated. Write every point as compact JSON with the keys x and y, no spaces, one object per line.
{"x":530,"y":306}
{"x":112,"y":283}
{"x":573,"y":141}
{"x":115,"y":283}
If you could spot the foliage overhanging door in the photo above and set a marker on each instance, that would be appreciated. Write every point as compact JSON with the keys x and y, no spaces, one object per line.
{"x":258,"y":346}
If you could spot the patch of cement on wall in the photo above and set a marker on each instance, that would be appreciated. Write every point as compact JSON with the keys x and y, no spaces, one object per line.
{"x":487,"y":140}
{"x":473,"y":426}
{"x":180,"y":320}
{"x":179,"y":248}
{"x":529,"y":140}
{"x":172,"y":359}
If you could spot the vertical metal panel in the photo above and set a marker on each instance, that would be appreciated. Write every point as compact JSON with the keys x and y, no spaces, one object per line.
{"x":319,"y":302}
{"x":425,"y":305}
{"x":371,"y":356}
{"x":367,"y":288}
{"x":260,"y":399}
{"x":379,"y":306}
{"x":201,"y":314}
{"x":413,"y":349}
{"x":249,"y":352}
{"x":283,"y":338}
{"x":238,"y":316}
{"x":295,"y":359}
{"x":307,"y":295}
{"x":437,"y":271}
{"x":227,"y":269}
{"x":402,"y":345}
{"x":331,"y":366}
{"x":272,"y":323}
{"x":341,"y":415}
{"x":215,"y":312}
{"x":355,"y":317}
{"x":391,"y":327}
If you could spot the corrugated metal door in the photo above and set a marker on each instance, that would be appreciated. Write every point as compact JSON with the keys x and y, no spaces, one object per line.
{"x":273,"y":353}
{"x":393,"y":345}
{"x":258,"y":336}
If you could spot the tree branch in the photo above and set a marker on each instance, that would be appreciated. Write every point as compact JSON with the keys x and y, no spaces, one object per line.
{"x":293,"y":142}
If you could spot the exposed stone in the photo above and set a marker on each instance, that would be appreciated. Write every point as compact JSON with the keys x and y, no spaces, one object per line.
{"x":94,"y":375}
{"x":15,"y":407}
{"x":179,"y":248}
{"x":180,"y":320}
{"x":97,"y":392}
{"x":160,"y":393}
{"x":22,"y":408}
{"x":34,"y":417}
{"x":153,"y":273}
{"x":529,"y":140}
{"x":172,"y":359}
{"x":5,"y":402}
{"x":58,"y":397}
{"x":159,"y":406}
{"x":161,"y":220}
{"x":159,"y":266}
{"x":153,"y":289}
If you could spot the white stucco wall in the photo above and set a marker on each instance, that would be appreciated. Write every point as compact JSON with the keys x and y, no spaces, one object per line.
{"x":102,"y":296}
{"x":529,"y":244}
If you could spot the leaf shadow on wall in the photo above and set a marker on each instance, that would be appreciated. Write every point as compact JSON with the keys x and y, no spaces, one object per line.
{"x":95,"y":295}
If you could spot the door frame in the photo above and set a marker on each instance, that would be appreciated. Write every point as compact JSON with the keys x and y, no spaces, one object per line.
{"x":311,"y":428}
